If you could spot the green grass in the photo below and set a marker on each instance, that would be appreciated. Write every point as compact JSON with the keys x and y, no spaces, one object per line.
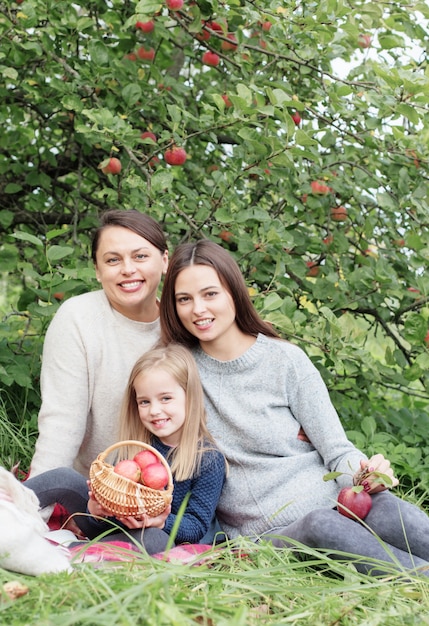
{"x":255,"y":585}
{"x":262,"y":585}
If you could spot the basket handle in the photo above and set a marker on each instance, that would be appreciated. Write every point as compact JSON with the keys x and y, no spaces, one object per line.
{"x":141,"y":444}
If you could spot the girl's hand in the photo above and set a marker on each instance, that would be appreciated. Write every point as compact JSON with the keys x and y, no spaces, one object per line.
{"x":146,"y":521}
{"x":95,"y":508}
{"x":367,"y":476}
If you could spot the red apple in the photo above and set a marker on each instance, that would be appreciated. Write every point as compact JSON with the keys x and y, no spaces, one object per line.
{"x":364,"y":40}
{"x":175,"y":156}
{"x":174,"y":5}
{"x":313,"y":268}
{"x":427,"y":337}
{"x":146,"y":27}
{"x":354,"y":502}
{"x":339,"y":213}
{"x":144,"y":458}
{"x":318,"y":187}
{"x":296,"y":118}
{"x":226,"y":235}
{"x":146,"y":54}
{"x":128,"y":469}
{"x":112,"y":166}
{"x":155,"y":476}
{"x":214,"y":26}
{"x":211,"y":58}
{"x":231,"y":44}
{"x":227,"y":101}
{"x":266,"y":26}
{"x":148,"y":135}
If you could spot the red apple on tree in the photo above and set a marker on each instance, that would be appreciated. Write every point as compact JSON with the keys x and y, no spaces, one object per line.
{"x":144,"y":458}
{"x":296,"y":118}
{"x":147,"y":134}
{"x":318,"y":187}
{"x":174,"y":5}
{"x":210,"y":58}
{"x":364,"y":40}
{"x":146,"y":54}
{"x":128,"y":469}
{"x":111,"y":166}
{"x":146,"y":27}
{"x":339,"y":213}
{"x":155,"y":476}
{"x":231,"y":44}
{"x":175,"y":156}
{"x":354,"y":502}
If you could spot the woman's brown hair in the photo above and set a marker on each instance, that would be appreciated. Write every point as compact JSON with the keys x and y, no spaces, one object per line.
{"x":139,"y":223}
{"x":206,"y":252}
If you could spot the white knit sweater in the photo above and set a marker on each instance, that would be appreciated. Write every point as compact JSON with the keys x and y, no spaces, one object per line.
{"x":88,"y":353}
{"x":256,"y":405}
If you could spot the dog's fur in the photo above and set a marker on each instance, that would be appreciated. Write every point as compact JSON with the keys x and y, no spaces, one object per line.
{"x":23,"y":546}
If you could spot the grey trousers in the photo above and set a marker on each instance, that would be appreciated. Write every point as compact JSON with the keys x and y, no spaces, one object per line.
{"x":67,"y":487}
{"x":395,"y":532}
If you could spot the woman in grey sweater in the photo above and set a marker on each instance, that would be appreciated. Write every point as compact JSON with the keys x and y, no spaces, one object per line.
{"x":270,"y":414}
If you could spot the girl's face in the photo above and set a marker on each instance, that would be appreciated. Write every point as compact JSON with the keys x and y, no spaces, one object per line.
{"x":130,"y":268}
{"x":161,"y":403}
{"x":205,"y":308}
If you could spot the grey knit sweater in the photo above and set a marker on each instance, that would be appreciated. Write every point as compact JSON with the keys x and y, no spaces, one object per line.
{"x":256,"y":405}
{"x":88,"y":354}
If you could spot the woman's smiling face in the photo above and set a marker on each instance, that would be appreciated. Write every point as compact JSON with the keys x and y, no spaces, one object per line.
{"x":129,"y":268}
{"x":204,"y":306}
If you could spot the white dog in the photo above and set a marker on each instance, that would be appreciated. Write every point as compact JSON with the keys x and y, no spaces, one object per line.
{"x":23,"y":545}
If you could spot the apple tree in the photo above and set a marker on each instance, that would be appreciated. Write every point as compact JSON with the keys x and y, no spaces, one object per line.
{"x":295,"y":133}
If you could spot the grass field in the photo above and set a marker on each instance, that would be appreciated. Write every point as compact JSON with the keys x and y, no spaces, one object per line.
{"x":250,"y":585}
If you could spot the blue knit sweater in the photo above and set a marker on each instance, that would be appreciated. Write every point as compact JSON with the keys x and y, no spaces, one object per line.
{"x":205,"y":489}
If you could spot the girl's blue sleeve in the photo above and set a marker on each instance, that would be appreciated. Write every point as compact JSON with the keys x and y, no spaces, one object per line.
{"x":205,"y":491}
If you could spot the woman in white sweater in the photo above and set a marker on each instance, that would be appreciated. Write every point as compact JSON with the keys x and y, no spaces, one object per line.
{"x":94,"y":340}
{"x":270,"y":414}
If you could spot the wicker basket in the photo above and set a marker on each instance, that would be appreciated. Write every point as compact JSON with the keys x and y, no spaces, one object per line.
{"x":123,"y":497}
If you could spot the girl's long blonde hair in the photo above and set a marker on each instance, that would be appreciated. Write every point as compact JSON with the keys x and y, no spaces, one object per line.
{"x":195,"y":439}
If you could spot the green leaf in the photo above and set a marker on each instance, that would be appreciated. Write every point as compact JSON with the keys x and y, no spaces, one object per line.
{"x":55,"y":253}
{"x":332,"y":476}
{"x":28,"y":237}
{"x":131,"y":94}
{"x":99,"y":53}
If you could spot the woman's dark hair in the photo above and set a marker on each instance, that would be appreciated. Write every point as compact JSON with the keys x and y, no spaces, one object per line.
{"x":140,"y":223}
{"x":205,"y":252}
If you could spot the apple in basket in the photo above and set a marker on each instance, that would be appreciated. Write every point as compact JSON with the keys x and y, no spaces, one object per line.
{"x":155,"y":476}
{"x":128,"y":469}
{"x":145,"y":457}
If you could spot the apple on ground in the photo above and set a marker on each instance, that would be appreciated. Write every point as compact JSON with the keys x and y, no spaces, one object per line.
{"x":111,"y":166}
{"x":128,"y":469}
{"x":354,"y":502}
{"x":175,"y":156}
{"x":155,"y":476}
{"x":145,"y":457}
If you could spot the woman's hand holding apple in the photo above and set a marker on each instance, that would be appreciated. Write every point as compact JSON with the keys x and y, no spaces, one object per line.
{"x":369,"y":474}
